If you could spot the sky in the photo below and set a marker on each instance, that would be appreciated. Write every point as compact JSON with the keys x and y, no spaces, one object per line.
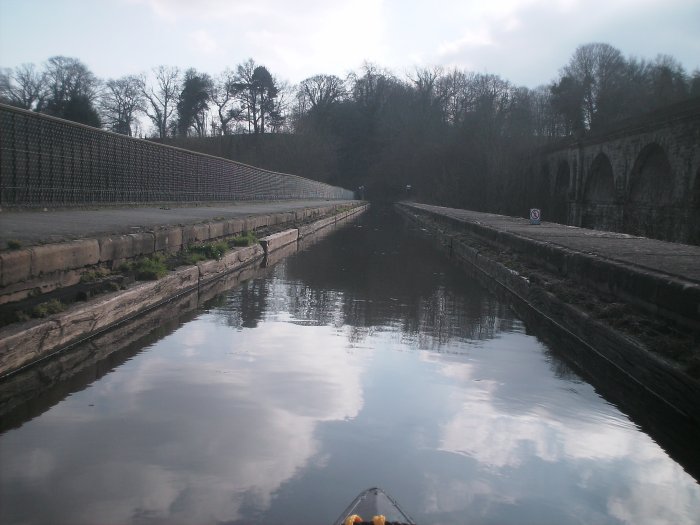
{"x":524,"y":41}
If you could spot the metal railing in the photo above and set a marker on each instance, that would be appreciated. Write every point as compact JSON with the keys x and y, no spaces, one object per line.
{"x":46,"y":161}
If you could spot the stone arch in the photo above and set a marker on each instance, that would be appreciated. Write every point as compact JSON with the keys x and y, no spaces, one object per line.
{"x":650,"y":208}
{"x":651,"y":180}
{"x":561,"y":192}
{"x":600,"y":186}
{"x":599,"y":209}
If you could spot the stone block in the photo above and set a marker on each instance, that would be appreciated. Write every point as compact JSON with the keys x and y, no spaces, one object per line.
{"x":64,"y":256}
{"x":308,"y":229}
{"x":169,"y":240}
{"x":250,"y":253}
{"x":195,"y":234}
{"x":116,"y":248}
{"x":233,"y":226}
{"x":143,"y":243}
{"x":278,"y":240}
{"x":201,"y":232}
{"x":279,"y":254}
{"x":214,"y":268}
{"x":250,"y":224}
{"x":23,"y":343}
{"x":281,"y":218}
{"x":216,"y":230}
{"x":15,"y":266}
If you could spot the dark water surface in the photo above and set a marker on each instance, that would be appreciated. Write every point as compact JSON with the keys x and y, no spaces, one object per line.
{"x":366,"y":360}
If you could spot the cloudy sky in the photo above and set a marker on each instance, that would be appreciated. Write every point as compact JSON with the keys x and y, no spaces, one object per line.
{"x":524,"y":41}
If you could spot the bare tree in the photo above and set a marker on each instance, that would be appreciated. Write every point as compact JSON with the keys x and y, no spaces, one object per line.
{"x":222,"y":93}
{"x":23,"y":87}
{"x":668,"y":81}
{"x":599,"y":70}
{"x":277,"y":121}
{"x":547,"y":123}
{"x":122,"y":100}
{"x":67,"y":78}
{"x":246,"y":96}
{"x":372,"y":89}
{"x":453,"y":95}
{"x":425,"y":82}
{"x":161,"y":98}
{"x":321,"y":91}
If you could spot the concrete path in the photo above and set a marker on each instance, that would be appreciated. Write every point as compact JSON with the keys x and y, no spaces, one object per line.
{"x":38,"y":227}
{"x":680,"y":261}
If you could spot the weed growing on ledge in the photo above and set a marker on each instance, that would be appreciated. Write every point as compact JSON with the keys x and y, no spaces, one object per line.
{"x":13,"y":244}
{"x":50,"y":307}
{"x":93,"y":275}
{"x":246,"y":239}
{"x":200,"y":252}
{"x":146,"y":269}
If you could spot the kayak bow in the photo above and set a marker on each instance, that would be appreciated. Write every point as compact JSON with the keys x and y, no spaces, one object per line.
{"x":374,"y":507}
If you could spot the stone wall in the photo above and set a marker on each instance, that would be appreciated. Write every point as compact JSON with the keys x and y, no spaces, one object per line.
{"x":22,"y":344}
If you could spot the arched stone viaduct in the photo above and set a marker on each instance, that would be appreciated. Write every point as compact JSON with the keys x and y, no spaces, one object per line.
{"x":642,"y":177}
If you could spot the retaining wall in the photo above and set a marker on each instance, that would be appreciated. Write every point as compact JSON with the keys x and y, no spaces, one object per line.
{"x":22,"y":344}
{"x":42,"y":269}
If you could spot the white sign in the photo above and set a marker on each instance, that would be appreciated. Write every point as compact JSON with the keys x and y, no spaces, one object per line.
{"x":535,"y":215}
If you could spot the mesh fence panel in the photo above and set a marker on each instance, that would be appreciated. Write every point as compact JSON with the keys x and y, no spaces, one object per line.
{"x":49,"y":161}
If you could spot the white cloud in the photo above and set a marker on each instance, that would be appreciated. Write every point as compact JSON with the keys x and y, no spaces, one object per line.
{"x":479,"y":38}
{"x":203,"y":41}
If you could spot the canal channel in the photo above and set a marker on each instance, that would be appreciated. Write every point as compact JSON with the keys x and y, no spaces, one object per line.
{"x":364,"y":359}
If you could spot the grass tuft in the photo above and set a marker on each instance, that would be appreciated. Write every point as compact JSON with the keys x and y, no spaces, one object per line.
{"x":245,"y":239}
{"x":202,"y":252}
{"x":50,"y":307}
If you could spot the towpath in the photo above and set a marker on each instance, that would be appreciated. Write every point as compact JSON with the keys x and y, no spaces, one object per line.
{"x":39,"y":227}
{"x":680,"y":261}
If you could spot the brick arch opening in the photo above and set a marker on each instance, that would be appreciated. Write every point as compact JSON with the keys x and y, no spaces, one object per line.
{"x":561,"y":193}
{"x":650,"y":209}
{"x":599,"y":209}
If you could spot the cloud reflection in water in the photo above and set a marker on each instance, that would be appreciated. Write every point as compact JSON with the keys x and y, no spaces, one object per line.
{"x":222,"y":416}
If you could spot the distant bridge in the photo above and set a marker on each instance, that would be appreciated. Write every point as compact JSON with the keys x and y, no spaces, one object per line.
{"x":642,"y":177}
{"x":46,"y":161}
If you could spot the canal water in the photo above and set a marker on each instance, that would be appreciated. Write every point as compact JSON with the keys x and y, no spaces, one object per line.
{"x":364,"y":360}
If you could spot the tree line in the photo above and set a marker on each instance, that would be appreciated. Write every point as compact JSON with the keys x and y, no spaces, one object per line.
{"x":454,"y":137}
{"x":176,"y":103}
